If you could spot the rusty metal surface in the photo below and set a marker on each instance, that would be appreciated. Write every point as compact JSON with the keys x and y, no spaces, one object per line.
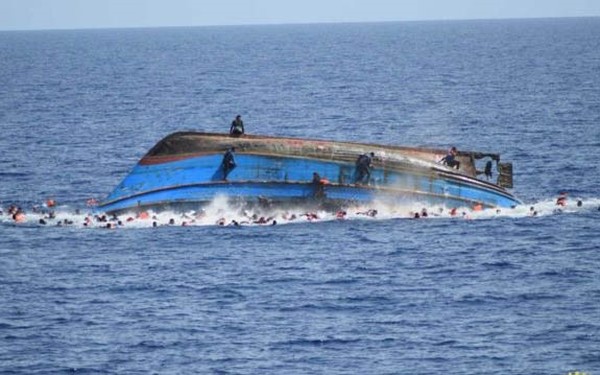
{"x":186,"y":144}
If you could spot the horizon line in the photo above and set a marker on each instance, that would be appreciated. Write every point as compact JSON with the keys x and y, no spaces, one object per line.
{"x":296,"y":23}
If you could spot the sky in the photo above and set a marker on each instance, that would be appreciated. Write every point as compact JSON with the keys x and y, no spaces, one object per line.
{"x":84,"y":14}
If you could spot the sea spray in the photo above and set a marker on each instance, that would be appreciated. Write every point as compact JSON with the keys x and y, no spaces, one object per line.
{"x":223,"y":212}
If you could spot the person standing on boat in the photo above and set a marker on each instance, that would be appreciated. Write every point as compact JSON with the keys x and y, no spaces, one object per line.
{"x":363,"y":168}
{"x":237,"y":126}
{"x":228,"y":162}
{"x":450,"y":159}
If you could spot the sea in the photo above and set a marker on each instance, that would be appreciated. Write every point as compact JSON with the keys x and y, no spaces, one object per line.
{"x":487,"y":292}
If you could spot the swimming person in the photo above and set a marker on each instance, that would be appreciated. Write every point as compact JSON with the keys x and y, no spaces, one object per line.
{"x":562,"y":199}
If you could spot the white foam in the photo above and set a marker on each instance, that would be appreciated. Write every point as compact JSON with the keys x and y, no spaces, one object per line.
{"x":220,"y":212}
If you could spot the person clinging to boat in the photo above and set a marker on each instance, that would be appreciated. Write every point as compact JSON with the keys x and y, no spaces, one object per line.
{"x":318,"y":183}
{"x":237,"y":126}
{"x":228,"y":162}
{"x":450,"y":158}
{"x":363,"y":168}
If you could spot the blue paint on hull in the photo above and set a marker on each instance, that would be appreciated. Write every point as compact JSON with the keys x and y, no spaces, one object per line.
{"x":200,"y":179}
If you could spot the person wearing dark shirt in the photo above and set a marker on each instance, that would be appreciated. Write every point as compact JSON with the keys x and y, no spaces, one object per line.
{"x":228,"y":163}
{"x":488,"y":170}
{"x":316,"y":178}
{"x":237,"y":126}
{"x":450,"y":159}
{"x":319,"y":191}
{"x":363,"y":168}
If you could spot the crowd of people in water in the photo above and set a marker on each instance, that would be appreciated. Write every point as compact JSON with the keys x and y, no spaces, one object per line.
{"x":46,"y":214}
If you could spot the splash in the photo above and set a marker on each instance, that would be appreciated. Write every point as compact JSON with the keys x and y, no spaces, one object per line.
{"x":222,"y":212}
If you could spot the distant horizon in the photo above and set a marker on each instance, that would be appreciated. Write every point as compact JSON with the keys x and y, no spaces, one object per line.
{"x":299,"y":23}
{"x":25,"y":15}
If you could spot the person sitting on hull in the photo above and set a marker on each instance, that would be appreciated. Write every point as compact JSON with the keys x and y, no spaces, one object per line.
{"x":450,"y":159}
{"x":363,"y":168}
{"x":237,"y":126}
{"x":228,"y":163}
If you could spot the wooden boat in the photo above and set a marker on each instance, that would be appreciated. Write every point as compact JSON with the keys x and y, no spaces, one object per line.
{"x":186,"y":169}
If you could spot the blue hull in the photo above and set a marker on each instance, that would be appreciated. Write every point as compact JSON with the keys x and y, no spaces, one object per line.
{"x":198,"y":178}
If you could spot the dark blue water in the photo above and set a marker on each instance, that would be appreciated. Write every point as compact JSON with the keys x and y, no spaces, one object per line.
{"x":497,"y":294}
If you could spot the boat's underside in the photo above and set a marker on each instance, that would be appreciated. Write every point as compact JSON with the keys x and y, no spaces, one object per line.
{"x":185,"y":169}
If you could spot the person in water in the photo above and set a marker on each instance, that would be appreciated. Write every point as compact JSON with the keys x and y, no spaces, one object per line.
{"x":363,"y":168}
{"x":228,"y":163}
{"x":562,"y":199}
{"x":237,"y":126}
{"x":450,"y":159}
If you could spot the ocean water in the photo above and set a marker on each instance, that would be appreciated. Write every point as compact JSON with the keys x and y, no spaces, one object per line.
{"x":483,"y":293}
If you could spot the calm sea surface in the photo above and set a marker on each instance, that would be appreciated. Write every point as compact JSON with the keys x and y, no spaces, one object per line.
{"x":498,"y":294}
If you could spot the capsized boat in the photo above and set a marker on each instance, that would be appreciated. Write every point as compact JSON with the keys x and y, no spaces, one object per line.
{"x":187,"y":169}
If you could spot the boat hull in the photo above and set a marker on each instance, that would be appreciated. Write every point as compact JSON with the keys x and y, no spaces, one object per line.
{"x":281,"y":170}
